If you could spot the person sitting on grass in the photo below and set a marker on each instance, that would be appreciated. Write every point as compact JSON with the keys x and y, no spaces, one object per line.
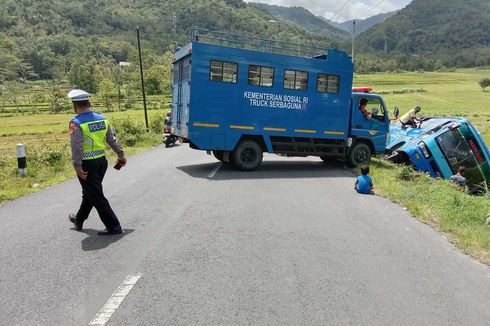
{"x":364,"y":183}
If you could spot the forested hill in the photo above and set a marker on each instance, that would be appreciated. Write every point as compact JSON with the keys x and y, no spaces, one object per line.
{"x":302,"y":17}
{"x":452,"y":32}
{"x":60,"y":39}
{"x":43,"y":38}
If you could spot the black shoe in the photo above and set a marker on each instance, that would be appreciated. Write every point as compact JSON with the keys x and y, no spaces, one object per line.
{"x":116,"y":230}
{"x":78,"y":224}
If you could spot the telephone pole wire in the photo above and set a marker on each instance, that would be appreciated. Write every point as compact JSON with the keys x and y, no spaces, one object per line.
{"x":142,"y":79}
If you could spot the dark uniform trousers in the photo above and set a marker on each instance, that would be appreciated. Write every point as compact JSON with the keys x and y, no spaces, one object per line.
{"x":93,"y":194}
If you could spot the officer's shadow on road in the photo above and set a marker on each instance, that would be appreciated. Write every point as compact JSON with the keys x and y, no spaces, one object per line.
{"x":96,"y":242}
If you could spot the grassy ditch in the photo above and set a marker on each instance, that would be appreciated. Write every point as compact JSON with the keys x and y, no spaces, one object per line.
{"x":438,"y":203}
{"x":49,"y":163}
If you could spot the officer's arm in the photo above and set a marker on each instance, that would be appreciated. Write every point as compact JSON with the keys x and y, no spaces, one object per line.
{"x":76,"y":142}
{"x":111,"y":139}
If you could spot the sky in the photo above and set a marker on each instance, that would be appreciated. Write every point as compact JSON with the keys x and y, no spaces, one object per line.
{"x":332,"y":9}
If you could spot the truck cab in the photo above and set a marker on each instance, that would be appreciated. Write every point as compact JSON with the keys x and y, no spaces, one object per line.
{"x":374,"y":129}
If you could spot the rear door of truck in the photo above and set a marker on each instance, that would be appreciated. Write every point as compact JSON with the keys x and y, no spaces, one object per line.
{"x":181,"y":92}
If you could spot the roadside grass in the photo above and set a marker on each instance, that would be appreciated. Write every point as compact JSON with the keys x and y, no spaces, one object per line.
{"x":439,"y":203}
{"x":49,"y":162}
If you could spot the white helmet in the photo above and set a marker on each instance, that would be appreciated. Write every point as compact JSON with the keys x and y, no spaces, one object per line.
{"x":78,"y":95}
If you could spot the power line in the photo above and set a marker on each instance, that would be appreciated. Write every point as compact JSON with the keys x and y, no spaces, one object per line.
{"x":370,"y":9}
{"x":345,"y":4}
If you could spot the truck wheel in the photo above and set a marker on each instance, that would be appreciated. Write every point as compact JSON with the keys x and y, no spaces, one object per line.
{"x":218,"y":155}
{"x":328,"y":159}
{"x":359,"y":154}
{"x":247,"y":156}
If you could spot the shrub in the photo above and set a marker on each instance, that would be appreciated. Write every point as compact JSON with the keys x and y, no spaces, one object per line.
{"x":51,"y":155}
{"x":8,"y":165}
{"x":484,"y":83}
{"x":406,"y":174}
{"x":130,"y":140}
{"x":128,"y":131}
{"x":156,"y":124}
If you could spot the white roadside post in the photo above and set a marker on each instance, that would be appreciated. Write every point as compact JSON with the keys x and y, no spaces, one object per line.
{"x":21,"y":160}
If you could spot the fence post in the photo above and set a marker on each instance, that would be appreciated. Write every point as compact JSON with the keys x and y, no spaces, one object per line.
{"x":21,"y":160}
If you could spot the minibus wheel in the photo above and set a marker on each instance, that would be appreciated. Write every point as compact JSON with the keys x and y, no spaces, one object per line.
{"x":247,"y":156}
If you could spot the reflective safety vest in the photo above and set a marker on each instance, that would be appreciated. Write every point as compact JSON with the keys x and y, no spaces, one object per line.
{"x":94,"y":128}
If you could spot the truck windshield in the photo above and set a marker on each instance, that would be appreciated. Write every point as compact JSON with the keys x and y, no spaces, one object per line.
{"x":377,"y":109}
{"x":458,"y":152}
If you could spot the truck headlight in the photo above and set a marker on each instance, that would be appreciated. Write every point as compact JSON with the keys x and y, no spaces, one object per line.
{"x":424,"y":149}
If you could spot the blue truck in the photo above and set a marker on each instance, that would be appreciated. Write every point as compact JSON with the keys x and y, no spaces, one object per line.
{"x":239,"y":99}
{"x":439,"y":146}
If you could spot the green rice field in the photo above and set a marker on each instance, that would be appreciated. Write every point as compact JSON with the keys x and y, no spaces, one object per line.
{"x":45,"y":128}
{"x":445,"y":94}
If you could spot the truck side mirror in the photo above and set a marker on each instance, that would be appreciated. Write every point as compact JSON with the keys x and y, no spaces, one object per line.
{"x":396,"y":112}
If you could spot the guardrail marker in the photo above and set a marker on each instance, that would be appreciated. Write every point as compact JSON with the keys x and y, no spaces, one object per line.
{"x":21,"y":160}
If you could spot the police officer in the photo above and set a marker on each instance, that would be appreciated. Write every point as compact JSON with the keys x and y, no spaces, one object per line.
{"x":88,"y":130}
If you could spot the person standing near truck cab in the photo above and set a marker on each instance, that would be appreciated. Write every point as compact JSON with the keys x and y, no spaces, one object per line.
{"x":410,"y":118}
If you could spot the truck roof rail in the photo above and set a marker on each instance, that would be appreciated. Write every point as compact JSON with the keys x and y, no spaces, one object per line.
{"x":202,"y":35}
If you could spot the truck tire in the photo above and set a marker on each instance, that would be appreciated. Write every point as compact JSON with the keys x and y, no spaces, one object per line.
{"x":247,"y":156}
{"x":328,"y":159}
{"x":218,"y":155}
{"x":359,"y":154}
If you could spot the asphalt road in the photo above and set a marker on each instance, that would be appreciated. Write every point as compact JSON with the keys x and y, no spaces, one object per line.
{"x":289,"y":244}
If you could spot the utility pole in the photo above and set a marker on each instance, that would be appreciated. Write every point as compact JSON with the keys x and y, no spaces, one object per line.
{"x":142,"y":79}
{"x":353,"y":38}
{"x":174,"y":23}
{"x":174,"y":30}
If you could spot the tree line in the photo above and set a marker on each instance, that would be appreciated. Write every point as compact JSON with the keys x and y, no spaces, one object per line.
{"x":83,"y":42}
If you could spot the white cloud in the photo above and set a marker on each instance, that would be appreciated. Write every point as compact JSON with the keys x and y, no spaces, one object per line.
{"x":355,"y":9}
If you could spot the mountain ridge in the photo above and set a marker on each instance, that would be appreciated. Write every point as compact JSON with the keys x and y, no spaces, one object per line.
{"x":452,"y":32}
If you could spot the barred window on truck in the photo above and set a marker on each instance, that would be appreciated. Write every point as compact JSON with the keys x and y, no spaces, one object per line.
{"x":223,"y":71}
{"x":294,"y":79}
{"x":328,"y":83}
{"x":260,"y":76}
